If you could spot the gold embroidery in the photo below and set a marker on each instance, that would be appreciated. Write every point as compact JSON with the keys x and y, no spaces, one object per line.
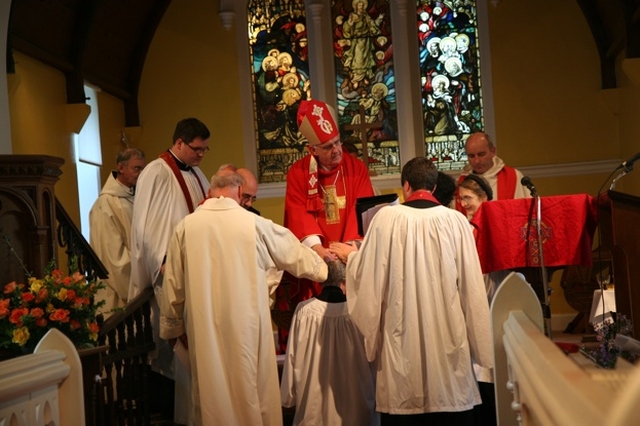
{"x":331,"y":205}
{"x":332,"y":202}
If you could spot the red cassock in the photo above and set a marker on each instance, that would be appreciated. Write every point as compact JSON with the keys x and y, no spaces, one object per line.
{"x":506,"y":237}
{"x":305,"y":215}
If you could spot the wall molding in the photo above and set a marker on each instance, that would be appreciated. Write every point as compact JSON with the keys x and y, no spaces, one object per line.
{"x":387,"y":182}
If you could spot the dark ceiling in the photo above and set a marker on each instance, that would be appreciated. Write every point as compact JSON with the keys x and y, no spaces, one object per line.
{"x":106,"y":41}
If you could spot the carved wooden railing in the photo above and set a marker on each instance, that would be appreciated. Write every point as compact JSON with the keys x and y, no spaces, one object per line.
{"x":77,"y":247}
{"x":117,"y":392}
{"x":129,"y":338}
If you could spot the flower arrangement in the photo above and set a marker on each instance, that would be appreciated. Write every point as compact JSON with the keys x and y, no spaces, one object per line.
{"x":65,"y":302}
{"x":606,"y":355}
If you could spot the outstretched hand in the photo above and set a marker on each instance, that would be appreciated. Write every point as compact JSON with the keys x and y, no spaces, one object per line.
{"x":342,"y":250}
{"x":324,"y":253}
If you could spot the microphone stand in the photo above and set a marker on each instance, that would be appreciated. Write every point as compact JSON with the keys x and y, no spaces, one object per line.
{"x":619,"y":176}
{"x":546,"y":308}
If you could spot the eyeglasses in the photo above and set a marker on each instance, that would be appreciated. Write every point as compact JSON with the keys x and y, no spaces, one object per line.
{"x":330,"y":146}
{"x":466,"y":199}
{"x":248,"y":197}
{"x":199,"y":151}
{"x":137,"y":169}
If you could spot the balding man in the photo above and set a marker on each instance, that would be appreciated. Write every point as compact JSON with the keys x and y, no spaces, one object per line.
{"x":249,"y":186}
{"x":483,"y":161}
{"x":225,"y":291}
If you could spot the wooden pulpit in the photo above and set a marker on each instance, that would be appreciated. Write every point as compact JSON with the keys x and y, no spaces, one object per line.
{"x":27,"y":215}
{"x":620,"y":233}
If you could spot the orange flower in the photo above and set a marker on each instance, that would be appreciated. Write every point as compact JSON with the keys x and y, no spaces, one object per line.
{"x":93,"y":327}
{"x":9,"y":288}
{"x":78,"y":277}
{"x":41,"y":322}
{"x":17,"y":314}
{"x":74,"y":324}
{"x":28,"y":296}
{"x":71,"y":295}
{"x":37,"y":313}
{"x":66,"y":281}
{"x":4,"y":308}
{"x":61,"y":315}
{"x":42,"y":294}
{"x":57,"y":275}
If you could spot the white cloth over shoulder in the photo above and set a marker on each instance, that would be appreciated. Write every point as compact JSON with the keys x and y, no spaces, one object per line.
{"x":326,"y":374}
{"x":415,"y":291}
{"x":216,"y":270}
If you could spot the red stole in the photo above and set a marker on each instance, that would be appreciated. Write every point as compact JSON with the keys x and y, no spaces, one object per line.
{"x":173,"y":165}
{"x":507,"y":181}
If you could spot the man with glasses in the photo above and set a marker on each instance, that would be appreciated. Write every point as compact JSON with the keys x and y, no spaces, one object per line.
{"x":321,"y":194}
{"x":168,"y":189}
{"x":249,"y":186}
{"x":110,"y":220}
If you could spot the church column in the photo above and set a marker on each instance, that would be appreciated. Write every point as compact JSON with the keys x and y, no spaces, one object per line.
{"x":405,"y":62}
{"x":233,"y":14}
{"x":5,"y":122}
{"x":321,"y":55}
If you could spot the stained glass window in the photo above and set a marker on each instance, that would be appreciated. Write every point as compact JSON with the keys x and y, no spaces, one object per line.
{"x":365,"y":81}
{"x":450,"y":78}
{"x":280,"y":80}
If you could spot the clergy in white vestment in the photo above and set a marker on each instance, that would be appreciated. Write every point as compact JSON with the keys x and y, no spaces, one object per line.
{"x":326,"y":375}
{"x":415,"y":290}
{"x":216,"y":302}
{"x":168,"y":189}
{"x":110,"y":228}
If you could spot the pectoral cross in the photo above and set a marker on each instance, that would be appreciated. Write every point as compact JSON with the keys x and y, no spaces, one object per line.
{"x":332,"y":204}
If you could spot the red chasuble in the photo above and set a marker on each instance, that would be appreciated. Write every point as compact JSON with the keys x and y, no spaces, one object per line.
{"x":308,"y":211}
{"x":305,"y":212}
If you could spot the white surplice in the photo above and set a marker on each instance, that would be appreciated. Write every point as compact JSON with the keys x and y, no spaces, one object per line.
{"x":158,"y":207}
{"x":216,"y":273}
{"x":415,"y":290}
{"x":326,"y":374}
{"x":110,"y":221}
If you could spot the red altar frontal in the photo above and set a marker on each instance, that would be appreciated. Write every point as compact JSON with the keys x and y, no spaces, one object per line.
{"x":507,"y":235}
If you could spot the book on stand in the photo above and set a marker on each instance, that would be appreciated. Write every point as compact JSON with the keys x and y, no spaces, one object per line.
{"x":367,"y":207}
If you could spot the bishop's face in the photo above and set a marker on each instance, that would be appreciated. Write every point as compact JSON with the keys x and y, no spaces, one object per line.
{"x":329,"y":154}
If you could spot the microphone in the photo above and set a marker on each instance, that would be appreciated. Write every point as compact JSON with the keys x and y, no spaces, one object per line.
{"x":526,"y":181}
{"x":628,"y":165}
